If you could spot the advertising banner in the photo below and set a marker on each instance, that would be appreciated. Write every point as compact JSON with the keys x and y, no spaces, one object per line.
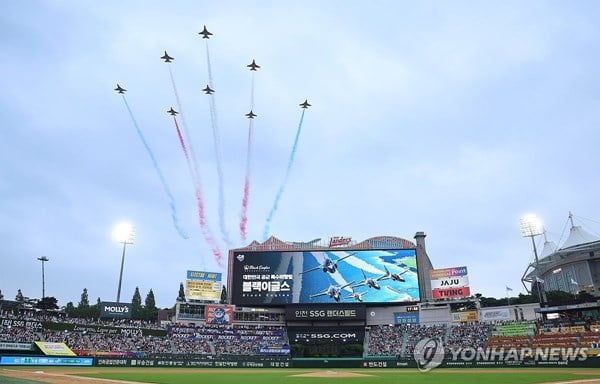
{"x":202,"y":285}
{"x":322,"y":312}
{"x":16,"y":347}
{"x":305,"y":277}
{"x":54,"y":349}
{"x":495,"y":314}
{"x":464,"y":317}
{"x":449,"y":283}
{"x":316,"y":334}
{"x":112,"y":310}
{"x":218,"y":314}
{"x":44,"y":360}
{"x":406,"y":318}
{"x":29,"y":324}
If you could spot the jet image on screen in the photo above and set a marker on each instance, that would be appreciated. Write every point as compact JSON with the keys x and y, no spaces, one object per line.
{"x":325,"y":276}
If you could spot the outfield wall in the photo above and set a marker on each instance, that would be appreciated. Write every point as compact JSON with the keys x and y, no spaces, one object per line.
{"x":286,"y":362}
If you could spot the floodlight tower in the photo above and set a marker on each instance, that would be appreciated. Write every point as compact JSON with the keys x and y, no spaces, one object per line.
{"x":531,"y":226}
{"x":125,"y":234}
{"x":43,"y":259}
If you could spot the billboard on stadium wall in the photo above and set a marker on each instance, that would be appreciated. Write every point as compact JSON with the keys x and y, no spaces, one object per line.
{"x":449,"y":283}
{"x":202,"y":285}
{"x":464,"y":317}
{"x":218,"y":314}
{"x":332,"y":276}
{"x":112,"y":310}
{"x":325,"y":312}
{"x":54,"y":349}
{"x":495,"y":314}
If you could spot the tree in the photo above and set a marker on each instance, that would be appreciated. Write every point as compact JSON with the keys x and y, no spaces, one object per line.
{"x":181,"y":294}
{"x":1,"y":295}
{"x":19,"y":298}
{"x":71,"y":310}
{"x":150,"y":310}
{"x":136,"y":304}
{"x":47,"y":303}
{"x":223,"y":295}
{"x":84,"y":302}
{"x":83,"y":307}
{"x":94,"y":310}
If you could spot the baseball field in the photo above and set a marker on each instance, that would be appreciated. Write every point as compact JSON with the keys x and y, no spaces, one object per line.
{"x":296,"y":376}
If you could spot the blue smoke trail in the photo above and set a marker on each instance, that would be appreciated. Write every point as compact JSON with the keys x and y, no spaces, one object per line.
{"x":218,"y":157}
{"x":287,"y":174}
{"x":160,"y":175}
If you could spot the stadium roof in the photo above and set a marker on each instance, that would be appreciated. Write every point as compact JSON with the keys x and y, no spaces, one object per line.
{"x":578,"y":236}
{"x":377,"y":242}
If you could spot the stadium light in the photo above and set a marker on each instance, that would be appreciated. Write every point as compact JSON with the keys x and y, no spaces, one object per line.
{"x":43,"y":259}
{"x":531,"y":226}
{"x":124,"y":233}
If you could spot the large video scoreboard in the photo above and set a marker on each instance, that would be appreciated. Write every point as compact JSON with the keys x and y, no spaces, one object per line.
{"x":331,"y":276}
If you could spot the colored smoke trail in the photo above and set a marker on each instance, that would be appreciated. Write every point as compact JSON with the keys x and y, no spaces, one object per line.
{"x":200,"y":201}
{"x":246,"y":194}
{"x":195,"y":173}
{"x":158,"y":171}
{"x":283,"y":184}
{"x":218,"y":157}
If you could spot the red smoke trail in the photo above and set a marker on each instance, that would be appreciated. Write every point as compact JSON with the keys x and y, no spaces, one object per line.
{"x":246,"y":196}
{"x":200,"y":201}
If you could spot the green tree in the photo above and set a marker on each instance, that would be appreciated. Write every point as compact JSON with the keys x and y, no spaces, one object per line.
{"x":19,"y":298}
{"x":94,"y":310}
{"x":181,"y":294}
{"x":136,"y":304}
{"x":83,"y":307}
{"x":223,"y":295}
{"x":150,"y":310}
{"x":47,"y":303}
{"x":70,"y":309}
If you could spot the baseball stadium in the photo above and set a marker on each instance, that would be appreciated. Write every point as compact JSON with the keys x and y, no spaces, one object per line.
{"x":371,"y":311}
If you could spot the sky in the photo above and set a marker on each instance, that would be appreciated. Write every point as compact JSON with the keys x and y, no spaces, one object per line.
{"x":454,"y":118}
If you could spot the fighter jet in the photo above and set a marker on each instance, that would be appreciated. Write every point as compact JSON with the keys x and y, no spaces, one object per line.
{"x":167,"y":58}
{"x":328,"y":265}
{"x":205,"y":33}
{"x":369,"y":282}
{"x":393,"y":276}
{"x":356,"y":295}
{"x":120,"y":89}
{"x":172,"y":112}
{"x":253,"y":65}
{"x":334,"y":291}
{"x":208,"y":90}
{"x":305,"y":104}
{"x":251,"y":115}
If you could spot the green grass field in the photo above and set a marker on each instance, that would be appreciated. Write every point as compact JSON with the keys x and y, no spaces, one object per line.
{"x":344,"y":376}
